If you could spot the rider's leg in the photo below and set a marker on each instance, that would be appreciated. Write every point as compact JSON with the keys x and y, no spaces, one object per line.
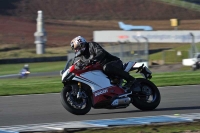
{"x":116,"y":68}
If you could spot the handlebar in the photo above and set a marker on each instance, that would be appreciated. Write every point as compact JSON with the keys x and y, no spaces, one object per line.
{"x":91,"y":62}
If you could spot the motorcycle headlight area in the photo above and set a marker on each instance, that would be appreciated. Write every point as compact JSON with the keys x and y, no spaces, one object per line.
{"x":67,"y":75}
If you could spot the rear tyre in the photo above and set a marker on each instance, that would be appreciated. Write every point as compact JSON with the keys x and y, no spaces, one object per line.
{"x":74,"y":105}
{"x":149,"y":97}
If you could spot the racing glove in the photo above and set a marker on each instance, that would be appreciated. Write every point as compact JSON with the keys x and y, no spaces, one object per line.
{"x":89,"y":62}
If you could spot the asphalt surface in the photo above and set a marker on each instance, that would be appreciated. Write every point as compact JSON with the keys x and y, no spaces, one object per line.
{"x":36,"y":109}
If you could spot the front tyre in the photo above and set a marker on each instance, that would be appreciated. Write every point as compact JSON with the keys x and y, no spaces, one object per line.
{"x":77,"y":106}
{"x":149,"y":96}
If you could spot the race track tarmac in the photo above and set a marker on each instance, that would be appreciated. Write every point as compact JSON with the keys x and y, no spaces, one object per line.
{"x":35,"y":109}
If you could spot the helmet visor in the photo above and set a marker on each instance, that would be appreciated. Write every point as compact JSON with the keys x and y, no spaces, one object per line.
{"x":77,"y":48}
{"x":72,"y":45}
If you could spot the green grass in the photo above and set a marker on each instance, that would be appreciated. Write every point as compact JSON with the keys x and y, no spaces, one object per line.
{"x":34,"y":67}
{"x":30,"y":53}
{"x":52,"y":84}
{"x":184,"y":4}
{"x":36,"y":85}
{"x":176,"y":78}
{"x":167,"y":128}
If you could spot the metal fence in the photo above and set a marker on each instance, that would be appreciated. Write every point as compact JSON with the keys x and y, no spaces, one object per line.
{"x":140,"y":52}
{"x":128,"y":51}
{"x":173,"y":56}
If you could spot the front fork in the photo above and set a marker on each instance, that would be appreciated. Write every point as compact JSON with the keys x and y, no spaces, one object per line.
{"x":79,"y":90}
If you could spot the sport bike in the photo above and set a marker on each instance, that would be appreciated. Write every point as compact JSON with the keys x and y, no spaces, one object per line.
{"x":23,"y":73}
{"x":91,"y":88}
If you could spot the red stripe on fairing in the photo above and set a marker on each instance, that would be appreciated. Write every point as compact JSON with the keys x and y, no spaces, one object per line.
{"x":123,"y":37}
{"x":112,"y":91}
{"x":96,"y":66}
{"x":87,"y":80}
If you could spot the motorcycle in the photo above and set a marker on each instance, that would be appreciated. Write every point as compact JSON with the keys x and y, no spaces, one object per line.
{"x":23,"y":73}
{"x":91,"y":88}
{"x":196,"y":66}
{"x":196,"y":61}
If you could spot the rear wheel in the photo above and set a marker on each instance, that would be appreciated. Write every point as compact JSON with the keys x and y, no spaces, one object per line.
{"x":77,"y":106}
{"x":149,"y":96}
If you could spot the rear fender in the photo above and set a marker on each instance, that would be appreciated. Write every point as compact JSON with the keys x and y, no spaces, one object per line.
{"x":146,"y":73}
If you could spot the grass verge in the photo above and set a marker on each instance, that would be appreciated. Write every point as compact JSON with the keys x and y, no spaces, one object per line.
{"x":31,"y":85}
{"x":167,"y":128}
{"x":182,"y":3}
{"x":34,"y":67}
{"x":38,"y":85}
{"x":30,"y":53}
{"x":176,"y":78}
{"x":191,"y":127}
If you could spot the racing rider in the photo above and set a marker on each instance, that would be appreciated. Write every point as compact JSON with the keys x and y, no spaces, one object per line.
{"x":88,"y":52}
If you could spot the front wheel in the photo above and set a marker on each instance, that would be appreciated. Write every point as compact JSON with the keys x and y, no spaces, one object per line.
{"x":77,"y":106}
{"x":149,"y":96}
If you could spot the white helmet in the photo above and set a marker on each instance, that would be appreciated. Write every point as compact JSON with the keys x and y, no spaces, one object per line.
{"x":78,"y":44}
{"x":26,"y":66}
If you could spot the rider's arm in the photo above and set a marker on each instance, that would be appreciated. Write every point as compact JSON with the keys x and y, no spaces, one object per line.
{"x":98,"y":51}
{"x":78,"y":63}
{"x":79,"y":66}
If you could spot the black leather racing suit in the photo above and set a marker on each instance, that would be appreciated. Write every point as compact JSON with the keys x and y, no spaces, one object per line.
{"x":112,"y":65}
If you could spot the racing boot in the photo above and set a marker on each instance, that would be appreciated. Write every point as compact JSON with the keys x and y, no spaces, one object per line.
{"x":130,"y":82}
{"x":131,"y":85}
{"x":129,"y":79}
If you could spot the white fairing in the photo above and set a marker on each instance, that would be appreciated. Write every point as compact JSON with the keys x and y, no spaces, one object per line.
{"x":129,"y":66}
{"x":65,"y":74}
{"x":95,"y":79}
